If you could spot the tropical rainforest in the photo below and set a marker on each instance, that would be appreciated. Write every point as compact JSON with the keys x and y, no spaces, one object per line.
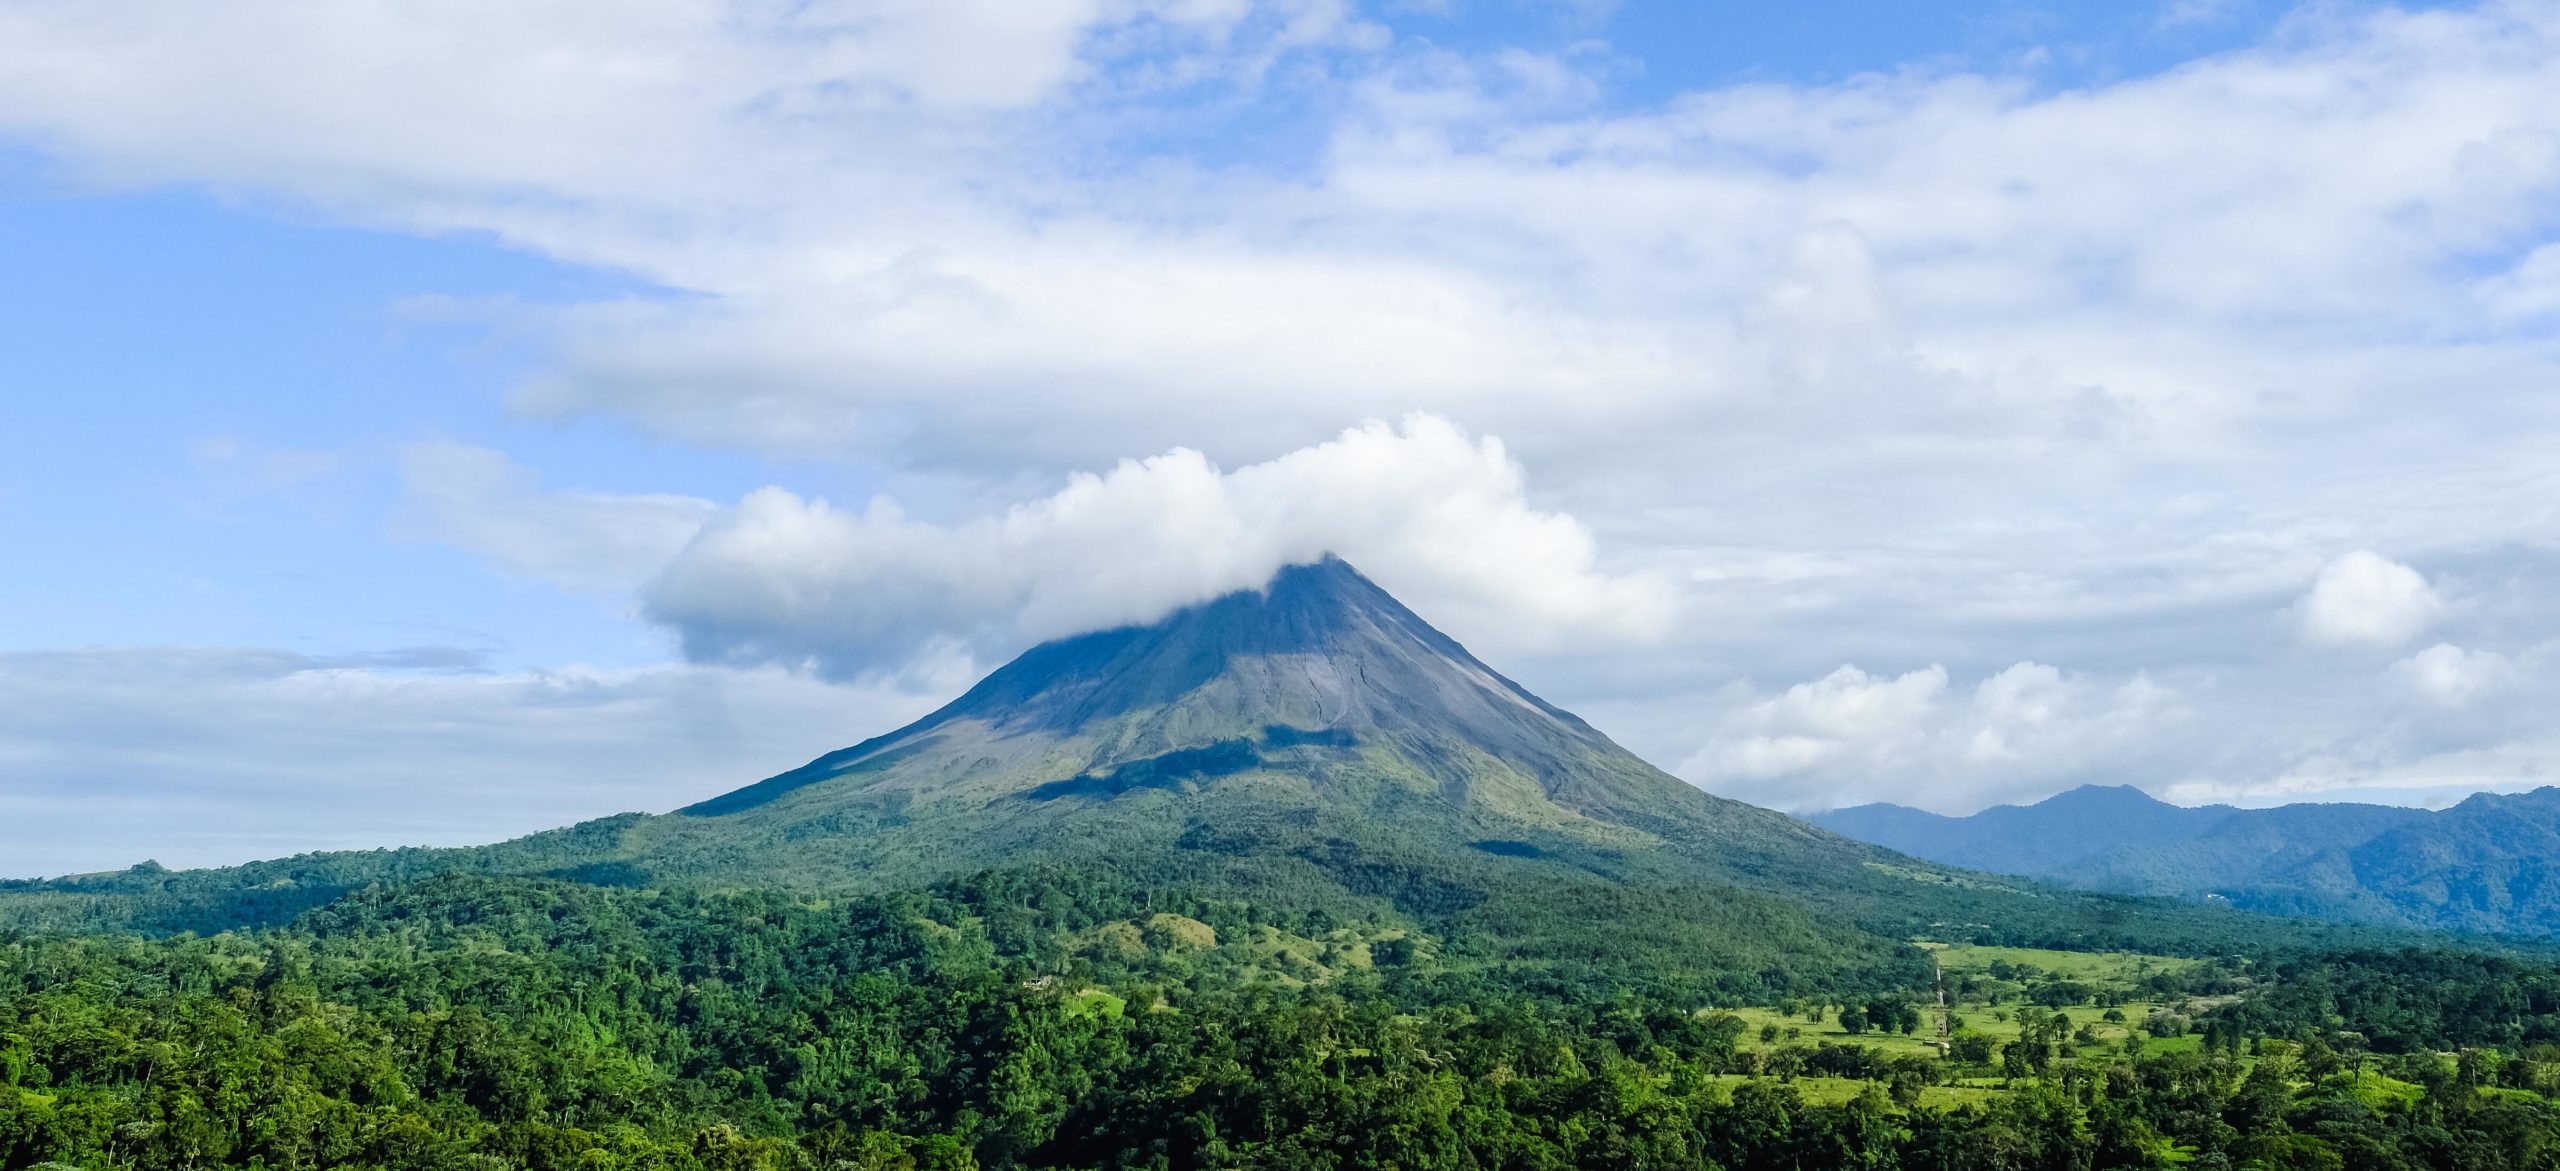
{"x":1045,"y":1018}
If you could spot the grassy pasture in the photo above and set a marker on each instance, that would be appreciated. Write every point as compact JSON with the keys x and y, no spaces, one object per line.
{"x":2375,"y":1090}
{"x":2122,"y":968}
{"x":1921,"y":1043}
{"x":1992,"y":1009}
{"x":1831,"y":1091}
{"x":1094,"y":1002}
{"x":2000,"y":1024}
{"x":2119,"y":973}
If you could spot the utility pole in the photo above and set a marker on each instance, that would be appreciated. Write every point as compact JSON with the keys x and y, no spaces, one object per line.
{"x":1946,"y":1027}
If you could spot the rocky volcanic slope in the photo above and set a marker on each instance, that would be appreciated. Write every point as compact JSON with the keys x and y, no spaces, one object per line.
{"x":1319,"y":707}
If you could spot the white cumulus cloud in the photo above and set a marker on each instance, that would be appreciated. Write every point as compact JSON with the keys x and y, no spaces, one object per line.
{"x":2366,"y":599}
{"x":1437,"y":516}
{"x":2453,"y":677}
{"x":1852,"y":737}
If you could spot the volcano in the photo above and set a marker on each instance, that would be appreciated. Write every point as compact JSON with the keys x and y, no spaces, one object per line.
{"x":1315,"y":714}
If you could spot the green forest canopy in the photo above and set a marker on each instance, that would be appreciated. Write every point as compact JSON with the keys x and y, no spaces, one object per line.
{"x":1052,"y":1018}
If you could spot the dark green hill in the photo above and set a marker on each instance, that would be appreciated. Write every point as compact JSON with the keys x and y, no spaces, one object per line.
{"x":2252,"y":848}
{"x":2491,"y":863}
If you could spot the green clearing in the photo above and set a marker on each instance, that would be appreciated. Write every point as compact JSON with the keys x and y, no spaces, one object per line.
{"x":1312,"y":960}
{"x":2124,"y":968}
{"x":1950,"y":1097}
{"x":1920,"y":1044}
{"x":1988,"y":988}
{"x":1173,"y":948}
{"x":1094,"y":1002}
{"x":2375,"y":1090}
{"x":1815,"y":1090}
{"x":1831,"y":1091}
{"x":2000,"y":1023}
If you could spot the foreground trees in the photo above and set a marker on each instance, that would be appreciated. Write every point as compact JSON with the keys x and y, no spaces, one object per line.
{"x":1012,"y":1023}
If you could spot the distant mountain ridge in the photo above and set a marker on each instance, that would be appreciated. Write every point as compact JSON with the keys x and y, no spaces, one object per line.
{"x":2044,"y":839}
{"x":2488,"y":864}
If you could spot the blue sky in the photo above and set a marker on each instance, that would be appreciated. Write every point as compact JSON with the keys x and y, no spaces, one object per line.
{"x":1672,"y":48}
{"x":433,"y":429}
{"x":148,"y":330}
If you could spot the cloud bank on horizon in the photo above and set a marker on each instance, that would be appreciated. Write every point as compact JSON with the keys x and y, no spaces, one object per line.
{"x":1949,"y":432}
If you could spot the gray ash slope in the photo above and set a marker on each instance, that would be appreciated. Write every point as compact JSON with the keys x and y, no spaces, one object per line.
{"x":1319,"y":703}
{"x":1313,"y":670}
